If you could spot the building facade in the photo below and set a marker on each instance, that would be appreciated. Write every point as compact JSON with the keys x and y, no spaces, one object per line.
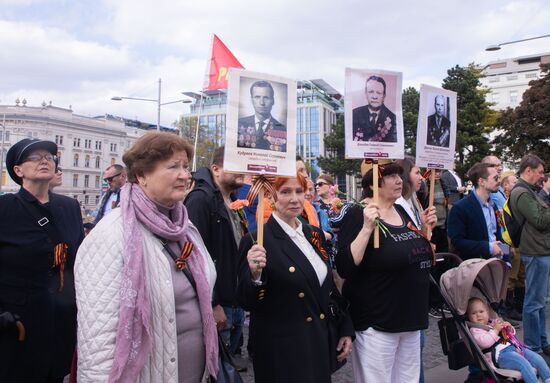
{"x":86,"y":145}
{"x":318,"y":105}
{"x":509,"y":78}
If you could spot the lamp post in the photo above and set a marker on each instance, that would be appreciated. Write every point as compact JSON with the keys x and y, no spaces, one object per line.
{"x":496,"y":47}
{"x":159,"y":104}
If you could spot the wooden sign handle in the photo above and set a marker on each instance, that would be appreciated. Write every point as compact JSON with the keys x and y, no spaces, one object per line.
{"x":375,"y":198}
{"x":260,"y":223}
{"x":432,"y":190}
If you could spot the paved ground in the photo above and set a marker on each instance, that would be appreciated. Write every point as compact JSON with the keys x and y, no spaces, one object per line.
{"x":435,"y":363}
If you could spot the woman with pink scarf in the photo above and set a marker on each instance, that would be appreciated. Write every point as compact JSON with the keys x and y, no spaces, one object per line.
{"x":144,"y":278}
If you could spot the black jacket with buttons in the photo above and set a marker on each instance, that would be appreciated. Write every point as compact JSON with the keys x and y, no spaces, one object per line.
{"x":290,"y":309}
{"x":29,"y":287}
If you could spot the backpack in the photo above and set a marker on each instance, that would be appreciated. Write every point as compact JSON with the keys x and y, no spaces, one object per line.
{"x":512,"y":227}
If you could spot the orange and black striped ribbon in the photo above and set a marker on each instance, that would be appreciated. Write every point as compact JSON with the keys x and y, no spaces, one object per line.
{"x":411,"y":227}
{"x":259,"y":183}
{"x":181,"y":261}
{"x":316,"y":241}
{"x":59,"y":259}
{"x":370,"y":161}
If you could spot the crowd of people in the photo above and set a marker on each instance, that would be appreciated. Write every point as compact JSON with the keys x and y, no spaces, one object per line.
{"x":173,"y":265}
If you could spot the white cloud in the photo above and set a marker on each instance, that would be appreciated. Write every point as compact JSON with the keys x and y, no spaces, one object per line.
{"x":93,"y":50}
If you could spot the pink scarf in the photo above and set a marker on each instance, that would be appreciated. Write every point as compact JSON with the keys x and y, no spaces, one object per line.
{"x":134,"y":337}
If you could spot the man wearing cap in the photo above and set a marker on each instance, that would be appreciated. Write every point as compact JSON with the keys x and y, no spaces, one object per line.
{"x":115,"y":176}
{"x":39,"y":235}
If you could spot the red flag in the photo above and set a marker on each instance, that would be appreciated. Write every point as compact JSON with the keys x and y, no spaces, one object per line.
{"x":222,"y":59}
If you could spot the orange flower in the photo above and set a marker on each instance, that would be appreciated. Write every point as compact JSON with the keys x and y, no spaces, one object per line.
{"x":238,"y":204}
{"x":337,"y":204}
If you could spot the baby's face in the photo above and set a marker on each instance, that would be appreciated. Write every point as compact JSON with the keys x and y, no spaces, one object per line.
{"x":477,"y":313}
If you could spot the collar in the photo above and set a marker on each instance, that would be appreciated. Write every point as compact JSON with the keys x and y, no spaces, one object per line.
{"x":483,"y":203}
{"x":266,"y":121}
{"x":292,"y":233}
{"x":531,"y":186}
{"x":31,"y":198}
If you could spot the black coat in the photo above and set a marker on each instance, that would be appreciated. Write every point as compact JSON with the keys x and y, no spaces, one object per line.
{"x":208,"y":213}
{"x":438,"y":136}
{"x":290,"y":311}
{"x":363,"y":130}
{"x":260,"y":141}
{"x":467,"y":228}
{"x":29,"y":287}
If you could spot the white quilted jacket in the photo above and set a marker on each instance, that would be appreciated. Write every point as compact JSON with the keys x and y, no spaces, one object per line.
{"x":97,"y":280}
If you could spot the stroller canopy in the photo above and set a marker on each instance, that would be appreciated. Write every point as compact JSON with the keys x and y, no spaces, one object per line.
{"x":488,"y":276}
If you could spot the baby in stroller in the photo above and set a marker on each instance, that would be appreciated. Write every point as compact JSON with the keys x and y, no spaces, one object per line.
{"x":497,"y":340}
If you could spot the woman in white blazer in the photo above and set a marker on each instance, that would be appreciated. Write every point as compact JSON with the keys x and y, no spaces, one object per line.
{"x":144,"y":278}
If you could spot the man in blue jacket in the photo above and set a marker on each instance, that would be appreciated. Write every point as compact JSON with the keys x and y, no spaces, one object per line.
{"x":473,"y":224}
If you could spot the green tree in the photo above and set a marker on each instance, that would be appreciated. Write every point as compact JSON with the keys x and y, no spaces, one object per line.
{"x":475,"y":118}
{"x":205,"y":144}
{"x":335,"y":163}
{"x":526,"y":128}
{"x":411,"y":99}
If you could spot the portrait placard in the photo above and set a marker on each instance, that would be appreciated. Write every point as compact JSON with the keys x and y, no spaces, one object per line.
{"x":260,"y":134}
{"x":373,"y":114}
{"x":436,"y":129}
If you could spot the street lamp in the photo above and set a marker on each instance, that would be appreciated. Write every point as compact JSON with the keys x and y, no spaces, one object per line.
{"x":159,"y":104}
{"x":496,"y":47}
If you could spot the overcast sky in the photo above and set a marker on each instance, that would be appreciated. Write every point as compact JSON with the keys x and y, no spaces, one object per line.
{"x":83,"y":52}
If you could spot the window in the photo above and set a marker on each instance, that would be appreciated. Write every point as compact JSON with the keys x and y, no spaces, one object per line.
{"x":530,"y":75}
{"x":58,"y":158}
{"x":59,"y":140}
{"x":75,"y":160}
{"x":98,"y":145}
{"x":86,"y":181}
{"x":6,"y":137}
{"x":494,"y":79}
{"x":76,"y":142}
{"x":495,"y":97}
{"x":97,"y":162}
{"x":97,"y":180}
{"x":86,"y":199}
{"x":512,"y":77}
{"x":87,"y":144}
{"x":513,"y":96}
{"x":113,"y":147}
{"x":87,"y":161}
{"x":96,"y":199}
{"x":113,"y":160}
{"x":75,"y":180}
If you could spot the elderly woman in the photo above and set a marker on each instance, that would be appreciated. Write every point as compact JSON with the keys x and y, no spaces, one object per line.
{"x":387,"y":286}
{"x":144,"y":278}
{"x":39,"y":235}
{"x":287,"y":285}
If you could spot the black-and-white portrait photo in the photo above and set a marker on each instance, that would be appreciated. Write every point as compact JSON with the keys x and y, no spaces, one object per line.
{"x":439,"y":124}
{"x":261,"y":129}
{"x":374,"y":121}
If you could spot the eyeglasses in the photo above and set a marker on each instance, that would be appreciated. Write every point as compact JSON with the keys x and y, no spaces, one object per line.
{"x":111,"y":178}
{"x":39,"y":157}
{"x":319,"y":184}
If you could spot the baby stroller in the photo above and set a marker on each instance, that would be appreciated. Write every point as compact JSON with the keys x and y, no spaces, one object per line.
{"x":480,"y":278}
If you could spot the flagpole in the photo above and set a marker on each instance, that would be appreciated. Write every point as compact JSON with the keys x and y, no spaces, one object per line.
{"x":194,"y":168}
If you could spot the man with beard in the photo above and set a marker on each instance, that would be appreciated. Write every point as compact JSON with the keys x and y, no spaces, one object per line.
{"x":221,"y":230}
{"x":374,"y":121}
{"x":261,"y":130}
{"x":472,"y":224}
{"x":534,"y":215}
{"x":439,"y":126}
